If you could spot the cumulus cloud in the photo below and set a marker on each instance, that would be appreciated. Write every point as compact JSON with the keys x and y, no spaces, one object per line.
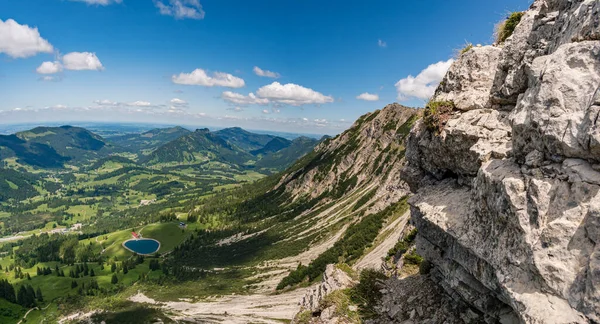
{"x":292,"y":94}
{"x":424,"y":84}
{"x":20,"y":41}
{"x":368,"y":96}
{"x":180,"y":9}
{"x":140,"y":103}
{"x":178,"y":102}
{"x":49,"y":68}
{"x":381,"y":43}
{"x":201,"y":78}
{"x":99,"y":2}
{"x":265,"y":73}
{"x":240,"y":99}
{"x":105,"y":102}
{"x":82,"y":61}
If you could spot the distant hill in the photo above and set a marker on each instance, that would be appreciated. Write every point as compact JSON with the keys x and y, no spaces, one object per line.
{"x":243,"y":139}
{"x":201,"y":145}
{"x":26,"y":152}
{"x":51,"y":147}
{"x":276,"y":144}
{"x":281,"y":159}
{"x":148,"y":141}
{"x":64,"y":139}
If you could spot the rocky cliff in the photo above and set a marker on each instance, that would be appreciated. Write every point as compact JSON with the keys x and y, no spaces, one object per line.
{"x":507,"y":200}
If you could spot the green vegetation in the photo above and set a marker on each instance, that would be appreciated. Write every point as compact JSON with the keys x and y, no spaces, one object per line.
{"x":364,"y":199}
{"x":367,"y":293}
{"x":466,"y":48}
{"x":342,"y":301}
{"x":15,"y":185}
{"x":350,"y":247}
{"x":437,"y":114}
{"x":132,"y":314}
{"x":506,"y":28}
{"x":403,"y":245}
{"x":413,"y":258}
{"x":236,"y":217}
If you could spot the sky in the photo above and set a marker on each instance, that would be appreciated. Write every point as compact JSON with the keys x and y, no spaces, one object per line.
{"x":297,"y":66}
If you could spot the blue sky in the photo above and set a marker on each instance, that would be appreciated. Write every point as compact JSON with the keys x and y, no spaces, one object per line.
{"x":193,"y":62}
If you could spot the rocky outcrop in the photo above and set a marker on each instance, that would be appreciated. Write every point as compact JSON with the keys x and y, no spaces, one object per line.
{"x":333,"y":279}
{"x":417,"y":299}
{"x":468,"y":83}
{"x":507,"y":200}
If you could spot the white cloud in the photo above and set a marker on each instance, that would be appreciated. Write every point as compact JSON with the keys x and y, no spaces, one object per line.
{"x":240,"y":99}
{"x":181,"y":9}
{"x":49,"y":78}
{"x":292,"y":94}
{"x":20,"y":41}
{"x":381,"y":43}
{"x":49,"y":68}
{"x":82,"y":61}
{"x":199,"y":77}
{"x":368,"y":96}
{"x":177,"y":101}
{"x":424,"y":84}
{"x":105,"y":102}
{"x":265,"y":73}
{"x":57,"y":107}
{"x":265,"y":111}
{"x":99,"y":2}
{"x":140,"y":103}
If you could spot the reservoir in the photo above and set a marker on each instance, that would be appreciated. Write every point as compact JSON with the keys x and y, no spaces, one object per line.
{"x":142,"y":246}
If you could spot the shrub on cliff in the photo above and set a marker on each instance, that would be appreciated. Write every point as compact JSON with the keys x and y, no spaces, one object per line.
{"x":506,"y":28}
{"x":367,"y":293}
{"x":437,"y":114}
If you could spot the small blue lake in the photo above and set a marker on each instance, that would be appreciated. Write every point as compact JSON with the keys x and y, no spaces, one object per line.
{"x":142,"y":246}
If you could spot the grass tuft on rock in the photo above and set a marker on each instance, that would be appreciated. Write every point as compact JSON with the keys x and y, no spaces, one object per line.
{"x":506,"y":28}
{"x":437,"y":114}
{"x":466,"y":48}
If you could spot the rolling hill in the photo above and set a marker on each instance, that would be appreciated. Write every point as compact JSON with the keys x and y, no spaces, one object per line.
{"x":243,"y":139}
{"x":196,"y":147}
{"x":73,"y":144}
{"x":148,"y":141}
{"x":274,"y":145}
{"x":280,"y":159}
{"x":31,"y":153}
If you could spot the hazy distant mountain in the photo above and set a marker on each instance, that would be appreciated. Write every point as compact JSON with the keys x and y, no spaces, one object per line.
{"x":50,"y":147}
{"x":149,"y":140}
{"x":276,"y":144}
{"x":243,"y":139}
{"x":201,"y":145}
{"x":283,"y":158}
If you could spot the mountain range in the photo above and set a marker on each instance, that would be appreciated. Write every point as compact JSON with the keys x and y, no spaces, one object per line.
{"x":53,"y":147}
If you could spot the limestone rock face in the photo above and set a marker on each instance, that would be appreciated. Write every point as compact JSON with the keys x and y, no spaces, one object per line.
{"x":507,"y":201}
{"x":545,"y":27}
{"x":469,"y":80}
{"x":558,"y":113}
{"x":468,"y":139}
